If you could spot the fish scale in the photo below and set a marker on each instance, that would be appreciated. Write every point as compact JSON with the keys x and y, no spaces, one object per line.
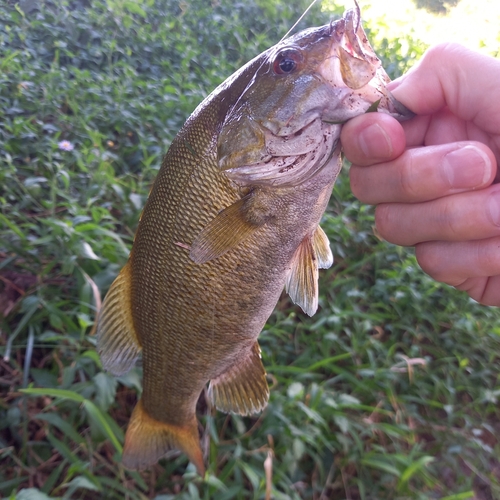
{"x":226,"y":228}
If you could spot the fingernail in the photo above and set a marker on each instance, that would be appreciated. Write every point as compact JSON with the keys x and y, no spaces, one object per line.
{"x":493,"y":205}
{"x":467,"y":167}
{"x":375,"y":143}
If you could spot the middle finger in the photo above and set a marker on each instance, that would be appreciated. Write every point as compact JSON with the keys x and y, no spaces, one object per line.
{"x":426,"y":173}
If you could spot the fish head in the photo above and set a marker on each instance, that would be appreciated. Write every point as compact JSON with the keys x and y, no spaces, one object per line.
{"x":286,"y":123}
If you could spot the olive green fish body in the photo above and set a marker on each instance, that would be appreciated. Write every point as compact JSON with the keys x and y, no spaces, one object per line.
{"x":233,"y":217}
{"x":205,"y":318}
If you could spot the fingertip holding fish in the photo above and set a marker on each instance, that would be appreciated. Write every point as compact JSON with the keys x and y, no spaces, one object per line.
{"x":232,"y":219}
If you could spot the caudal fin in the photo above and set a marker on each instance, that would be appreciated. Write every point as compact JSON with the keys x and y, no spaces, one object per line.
{"x":148,"y":439}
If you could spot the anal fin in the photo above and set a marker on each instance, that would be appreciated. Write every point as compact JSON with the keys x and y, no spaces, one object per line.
{"x":302,"y":280}
{"x":117,"y":341}
{"x":147,"y":440}
{"x":243,"y":388}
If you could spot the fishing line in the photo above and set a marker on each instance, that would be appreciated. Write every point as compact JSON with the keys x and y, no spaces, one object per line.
{"x":264,"y":62}
{"x":299,"y":19}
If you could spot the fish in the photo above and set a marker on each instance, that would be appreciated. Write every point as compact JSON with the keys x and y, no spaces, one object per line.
{"x":232,"y":219}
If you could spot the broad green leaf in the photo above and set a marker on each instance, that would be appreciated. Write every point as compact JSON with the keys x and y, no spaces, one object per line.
{"x":213,"y":481}
{"x":31,"y":494}
{"x":54,"y":393}
{"x":415,"y":467}
{"x":251,"y":474}
{"x":100,"y":420}
{"x":382,"y":464}
{"x":12,"y":226}
{"x":82,"y":482}
{"x":87,"y":252}
{"x":105,"y":390}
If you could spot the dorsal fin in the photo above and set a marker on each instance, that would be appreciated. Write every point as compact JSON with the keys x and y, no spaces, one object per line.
{"x":117,"y":341}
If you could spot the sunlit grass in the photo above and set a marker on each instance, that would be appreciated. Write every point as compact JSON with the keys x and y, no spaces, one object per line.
{"x":473,"y":23}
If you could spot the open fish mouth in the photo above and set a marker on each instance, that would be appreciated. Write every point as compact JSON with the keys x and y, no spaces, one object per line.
{"x":353,"y":65}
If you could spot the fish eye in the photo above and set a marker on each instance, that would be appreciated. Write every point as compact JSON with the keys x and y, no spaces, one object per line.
{"x":286,"y":61}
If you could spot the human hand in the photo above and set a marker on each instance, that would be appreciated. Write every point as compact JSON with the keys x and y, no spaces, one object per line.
{"x":431,"y":177}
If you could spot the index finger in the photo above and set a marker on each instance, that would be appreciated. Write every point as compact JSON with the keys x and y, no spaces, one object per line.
{"x":450,"y":75}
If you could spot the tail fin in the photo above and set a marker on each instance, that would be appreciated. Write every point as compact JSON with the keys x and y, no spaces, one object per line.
{"x":148,"y":439}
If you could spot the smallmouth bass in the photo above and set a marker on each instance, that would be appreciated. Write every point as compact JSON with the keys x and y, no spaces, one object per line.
{"x":232,"y":218}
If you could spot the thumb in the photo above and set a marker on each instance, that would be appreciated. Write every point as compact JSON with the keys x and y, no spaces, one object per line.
{"x":452,"y":75}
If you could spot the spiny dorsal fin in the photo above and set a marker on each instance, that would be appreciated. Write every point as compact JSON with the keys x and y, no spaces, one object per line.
{"x":117,"y":341}
{"x":229,"y":228}
{"x":243,"y":388}
{"x":302,"y":280}
{"x":321,"y":246}
{"x":148,"y":439}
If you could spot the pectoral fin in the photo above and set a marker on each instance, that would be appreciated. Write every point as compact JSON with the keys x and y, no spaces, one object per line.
{"x":231,"y":227}
{"x":302,"y":281}
{"x":243,"y":388}
{"x":117,"y":341}
{"x":322,"y":249}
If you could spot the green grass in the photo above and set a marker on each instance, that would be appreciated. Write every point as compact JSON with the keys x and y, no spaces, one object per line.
{"x":389,"y":392}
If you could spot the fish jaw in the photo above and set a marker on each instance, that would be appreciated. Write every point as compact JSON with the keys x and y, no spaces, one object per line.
{"x":359,"y":71}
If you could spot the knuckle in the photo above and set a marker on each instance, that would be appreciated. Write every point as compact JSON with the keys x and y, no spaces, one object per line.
{"x":487,"y":257}
{"x":384,"y":221}
{"x":448,"y":222}
{"x":407,"y":177}
{"x":437,"y":53}
{"x":488,"y":293}
{"x":430,"y":259}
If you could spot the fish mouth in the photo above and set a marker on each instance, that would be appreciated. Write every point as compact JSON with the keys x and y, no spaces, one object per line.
{"x":355,"y":73}
{"x":352,"y":61}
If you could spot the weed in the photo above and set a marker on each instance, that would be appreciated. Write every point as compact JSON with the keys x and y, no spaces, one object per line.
{"x":390,"y":391}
